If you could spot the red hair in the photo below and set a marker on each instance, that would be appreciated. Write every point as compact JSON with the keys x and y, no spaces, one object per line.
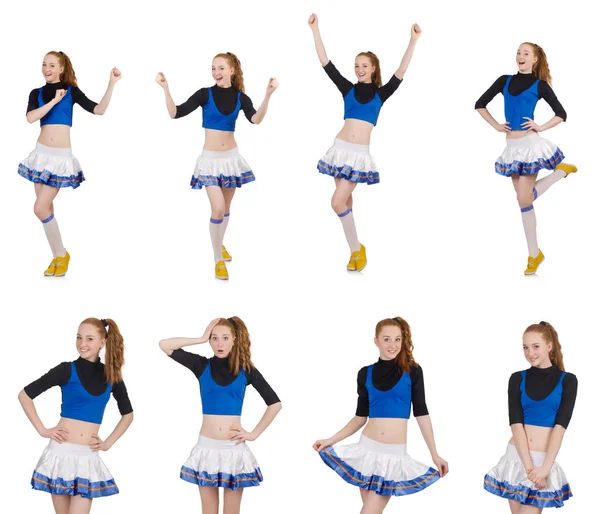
{"x":237,"y":78}
{"x":68,"y":75}
{"x":404,"y":359}
{"x":239,"y":357}
{"x":115,"y":348}
{"x":549,"y":335}
{"x":376,"y":75}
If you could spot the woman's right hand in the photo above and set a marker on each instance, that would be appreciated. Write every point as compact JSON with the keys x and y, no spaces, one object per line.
{"x":313,"y":22}
{"x":503,"y":127}
{"x":209,"y":329}
{"x":58,"y":434}
{"x":161,"y":80}
{"x":321,"y":444}
{"x":59,"y":95}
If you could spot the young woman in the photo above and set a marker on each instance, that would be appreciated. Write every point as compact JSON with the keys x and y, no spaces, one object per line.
{"x":52,"y":165}
{"x":348,"y":161}
{"x":70,"y":468}
{"x":540,"y":404}
{"x":379,"y":464}
{"x":221,"y":458}
{"x":526,"y":152}
{"x":220,"y":168}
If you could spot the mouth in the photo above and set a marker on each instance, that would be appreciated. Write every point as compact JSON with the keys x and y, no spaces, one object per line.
{"x":521,"y":63}
{"x":392,"y":351}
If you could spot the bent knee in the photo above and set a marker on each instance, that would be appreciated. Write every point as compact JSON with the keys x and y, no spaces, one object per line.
{"x":525,"y":199}
{"x":42,"y":211}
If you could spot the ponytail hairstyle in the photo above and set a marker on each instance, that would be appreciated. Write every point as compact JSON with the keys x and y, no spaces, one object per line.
{"x":404,"y":359}
{"x":541,"y":69}
{"x":68,"y":75}
{"x":237,"y":78}
{"x":239,"y":358}
{"x":549,"y":335}
{"x":115,"y":349}
{"x":376,"y":75}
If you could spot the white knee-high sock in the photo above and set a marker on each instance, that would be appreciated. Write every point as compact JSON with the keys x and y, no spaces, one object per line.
{"x":542,"y":185}
{"x":216,"y":238}
{"x":347,"y":219}
{"x":529,"y":224}
{"x":53,"y":236}
{"x":224,"y":225}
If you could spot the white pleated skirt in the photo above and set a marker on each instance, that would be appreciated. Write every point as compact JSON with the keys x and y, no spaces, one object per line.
{"x":56,"y":167}
{"x":223,"y":169}
{"x":528,"y":155}
{"x":349,"y":161}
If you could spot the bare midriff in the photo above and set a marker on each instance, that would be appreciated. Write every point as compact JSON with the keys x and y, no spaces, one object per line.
{"x":537,"y":437}
{"x":517,"y":134}
{"x":218,"y":140}
{"x":80,"y":432}
{"x":219,"y":427}
{"x":56,"y":136}
{"x":386,"y":430}
{"x":356,"y":131}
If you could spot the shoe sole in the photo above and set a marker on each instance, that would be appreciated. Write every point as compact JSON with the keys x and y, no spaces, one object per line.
{"x":222,"y":278}
{"x":48,"y":274}
{"x":227,"y":260}
{"x":61,"y":275}
{"x":538,"y":266}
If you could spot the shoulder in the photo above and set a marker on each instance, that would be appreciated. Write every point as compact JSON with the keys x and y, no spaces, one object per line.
{"x":362,"y":373}
{"x":417,"y":371}
{"x":570,"y":379}
{"x":544,"y":86}
{"x":516,"y":378}
{"x":502,"y":79}
{"x":244,"y":97}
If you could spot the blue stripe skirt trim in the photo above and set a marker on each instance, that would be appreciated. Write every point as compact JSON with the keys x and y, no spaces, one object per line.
{"x":348,"y":173}
{"x":49,"y":179}
{"x":225,"y":480}
{"x":527,"y":496}
{"x":376,"y":483}
{"x":529,"y":168}
{"x":81,"y":486}
{"x":222,"y":180}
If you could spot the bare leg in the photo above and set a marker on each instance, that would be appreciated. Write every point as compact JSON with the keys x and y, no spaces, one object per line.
{"x":217,"y":212}
{"x":80,"y":505}
{"x":342,"y":197}
{"x":232,"y":500}
{"x":44,"y":210}
{"x":515,"y":506}
{"x":529,"y":509}
{"x":61,"y":502}
{"x":209,"y":496}
{"x":228,"y":197}
{"x":374,"y":503}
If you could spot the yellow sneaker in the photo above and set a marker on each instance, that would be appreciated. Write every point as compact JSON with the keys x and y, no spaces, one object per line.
{"x":62,"y":265}
{"x":221,"y":271}
{"x":358,"y":260}
{"x":567,"y":168}
{"x":225,"y":254}
{"x":351,"y":266}
{"x":51,"y":269}
{"x":533,"y":263}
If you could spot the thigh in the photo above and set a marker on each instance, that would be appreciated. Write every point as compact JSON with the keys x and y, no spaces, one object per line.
{"x":61,"y":503}
{"x":515,"y":506}
{"x":344,"y":188}
{"x":215,"y":196}
{"x":44,"y":193}
{"x":232,"y":501}
{"x":228,"y":193}
{"x":374,"y":503}
{"x":530,"y":509}
{"x":80,"y":505}
{"x":209,"y":496}
{"x":524,"y":184}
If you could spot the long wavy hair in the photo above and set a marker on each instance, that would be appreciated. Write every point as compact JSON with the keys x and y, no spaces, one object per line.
{"x":404,"y":359}
{"x":237,"y":79}
{"x":541,"y":69}
{"x":115,"y":347}
{"x":549,"y":335}
{"x":239,"y":357}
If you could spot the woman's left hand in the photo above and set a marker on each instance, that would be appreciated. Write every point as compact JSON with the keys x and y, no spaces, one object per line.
{"x":273,"y":85}
{"x":115,"y":75}
{"x":538,"y":477}
{"x":97,"y":444}
{"x":530,"y":125}
{"x":240,"y":435}
{"x":441,"y":465}
{"x":415,"y":32}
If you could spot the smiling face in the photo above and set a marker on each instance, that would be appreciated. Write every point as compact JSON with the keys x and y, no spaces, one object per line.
{"x":89,"y":342}
{"x":389,"y":342}
{"x":221,"y":341}
{"x":537,"y":350}
{"x":51,"y":69}
{"x":526,"y":58}
{"x":222,"y":72}
{"x":364,"y":69}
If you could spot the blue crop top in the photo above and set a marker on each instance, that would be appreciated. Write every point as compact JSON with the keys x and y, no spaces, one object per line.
{"x":541,"y":413}
{"x":521,"y":106}
{"x":62,"y":112}
{"x":394,"y":403}
{"x":214,"y":119}
{"x":78,"y":404}
{"x":362,"y":101}
{"x":222,"y":400}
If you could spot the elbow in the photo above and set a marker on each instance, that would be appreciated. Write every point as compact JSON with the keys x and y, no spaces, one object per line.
{"x":163,"y":345}
{"x":255,"y":120}
{"x":23,"y":397}
{"x":276,"y":407}
{"x":30,"y":119}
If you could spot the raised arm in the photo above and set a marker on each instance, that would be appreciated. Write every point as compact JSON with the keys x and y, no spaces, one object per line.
{"x":313,"y":23}
{"x":174,"y":343}
{"x":353,"y":426}
{"x":171,"y":107}
{"x":38,"y":113}
{"x":262,"y":110}
{"x":415,"y":34}
{"x":115,"y":76}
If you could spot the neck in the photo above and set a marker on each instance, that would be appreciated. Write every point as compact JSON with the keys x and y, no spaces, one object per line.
{"x":544,"y":365}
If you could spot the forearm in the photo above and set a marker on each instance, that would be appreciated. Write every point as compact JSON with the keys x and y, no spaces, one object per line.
{"x":262,"y":110}
{"x":267,"y":419}
{"x":554,"y":444}
{"x":119,"y":430}
{"x":520,"y":440}
{"x":353,"y":426}
{"x":427,"y":432}
{"x":406,"y":59}
{"x":103,"y":105}
{"x":485,"y":114}
{"x":171,"y":107}
{"x":550,"y":124}
{"x":31,"y":412}
{"x":175,"y":343}
{"x":320,"y":47}
{"x":40,"y":112}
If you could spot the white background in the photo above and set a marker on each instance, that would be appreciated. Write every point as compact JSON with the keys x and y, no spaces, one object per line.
{"x":442,"y":230}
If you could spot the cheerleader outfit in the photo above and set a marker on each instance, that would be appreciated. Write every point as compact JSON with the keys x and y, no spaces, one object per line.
{"x":384,"y":392}
{"x":362,"y":102}
{"x":215,"y":462}
{"x":529,"y":154}
{"x":56,"y":167}
{"x":220,"y":109}
{"x":537,"y":397}
{"x":72,"y":469}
